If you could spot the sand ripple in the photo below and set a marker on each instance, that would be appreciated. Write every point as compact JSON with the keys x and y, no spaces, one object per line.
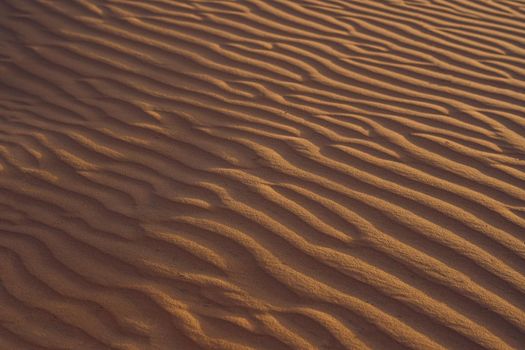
{"x":262,"y":174}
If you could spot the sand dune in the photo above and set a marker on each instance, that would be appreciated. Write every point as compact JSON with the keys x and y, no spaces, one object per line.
{"x":262,"y":174}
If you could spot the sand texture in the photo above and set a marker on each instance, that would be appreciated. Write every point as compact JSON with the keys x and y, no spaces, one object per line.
{"x":262,"y":174}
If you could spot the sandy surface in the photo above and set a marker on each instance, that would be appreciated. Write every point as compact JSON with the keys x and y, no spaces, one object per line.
{"x":262,"y":174}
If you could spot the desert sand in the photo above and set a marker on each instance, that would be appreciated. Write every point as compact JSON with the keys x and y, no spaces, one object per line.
{"x":262,"y":174}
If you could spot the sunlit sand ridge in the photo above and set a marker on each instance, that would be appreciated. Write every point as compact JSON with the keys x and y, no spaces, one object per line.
{"x":262,"y":174}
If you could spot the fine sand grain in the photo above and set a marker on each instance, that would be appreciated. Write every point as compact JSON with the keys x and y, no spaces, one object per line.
{"x":262,"y":174}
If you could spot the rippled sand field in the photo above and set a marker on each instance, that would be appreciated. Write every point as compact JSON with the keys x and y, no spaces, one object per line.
{"x":262,"y":174}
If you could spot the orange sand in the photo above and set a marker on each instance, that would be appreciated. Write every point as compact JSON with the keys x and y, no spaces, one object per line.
{"x":262,"y":174}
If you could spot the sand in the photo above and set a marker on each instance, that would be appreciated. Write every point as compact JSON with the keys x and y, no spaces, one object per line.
{"x":262,"y":174}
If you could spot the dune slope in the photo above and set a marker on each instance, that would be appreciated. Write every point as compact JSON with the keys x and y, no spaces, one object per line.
{"x":262,"y":174}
